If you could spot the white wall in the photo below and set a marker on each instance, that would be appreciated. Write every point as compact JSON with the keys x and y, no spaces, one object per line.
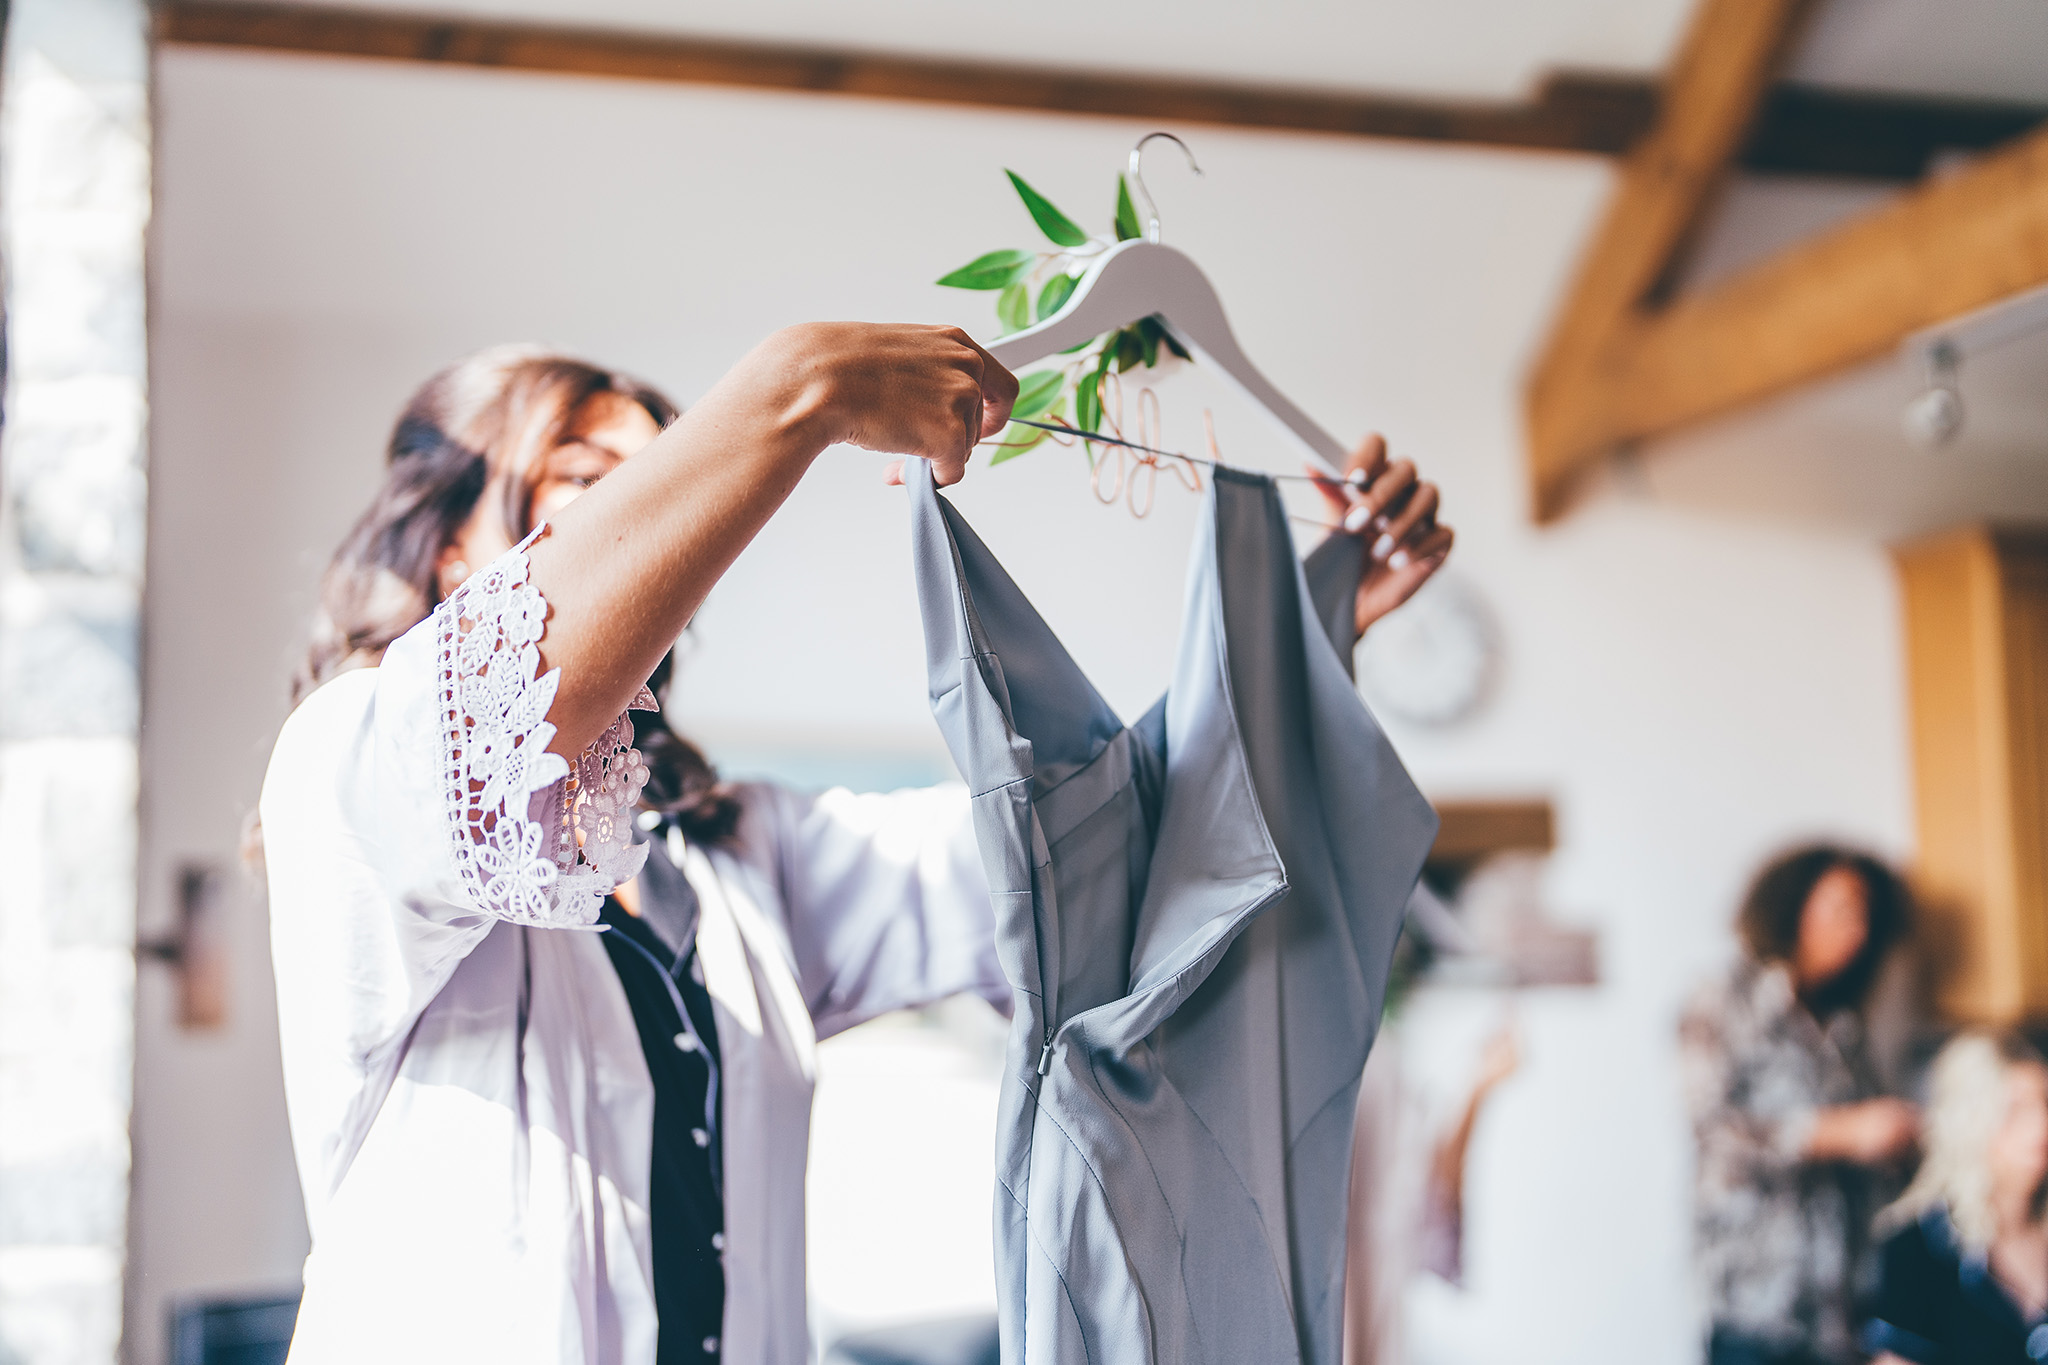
{"x":1692,"y":689}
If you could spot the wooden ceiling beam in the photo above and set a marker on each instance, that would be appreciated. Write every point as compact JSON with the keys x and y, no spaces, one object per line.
{"x":1957,"y":243}
{"x":1625,"y":361}
{"x":1816,"y":130}
{"x":1577,"y":113}
{"x":1723,"y":70}
{"x":1801,"y":130}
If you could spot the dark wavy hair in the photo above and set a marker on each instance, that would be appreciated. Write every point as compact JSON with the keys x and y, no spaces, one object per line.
{"x":1771,"y":912}
{"x":473,"y":437}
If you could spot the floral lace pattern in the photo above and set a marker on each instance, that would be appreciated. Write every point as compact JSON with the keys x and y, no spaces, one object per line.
{"x":538,"y":841}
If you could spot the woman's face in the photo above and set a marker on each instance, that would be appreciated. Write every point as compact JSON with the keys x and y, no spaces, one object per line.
{"x":605,"y":431}
{"x":1833,"y":927}
{"x":2018,"y":1158}
{"x":600,"y":436}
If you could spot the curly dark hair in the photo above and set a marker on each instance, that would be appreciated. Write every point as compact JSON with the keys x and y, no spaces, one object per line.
{"x":476,"y":431}
{"x":1771,"y":912}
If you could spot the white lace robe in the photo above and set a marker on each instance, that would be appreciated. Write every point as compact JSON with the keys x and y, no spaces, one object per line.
{"x":469,"y":1103}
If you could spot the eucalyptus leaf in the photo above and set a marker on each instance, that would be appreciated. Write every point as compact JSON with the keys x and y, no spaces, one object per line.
{"x":1057,"y":291}
{"x":1088,"y":411}
{"x":1105,"y":359}
{"x":1088,"y":402}
{"x":996,"y":270}
{"x":1127,"y":227}
{"x":1017,"y":440}
{"x":1038,"y":392}
{"x":1129,"y":350}
{"x":1054,"y":224}
{"x":1013,"y":307}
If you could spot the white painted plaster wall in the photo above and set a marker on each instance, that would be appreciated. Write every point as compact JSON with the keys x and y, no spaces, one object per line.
{"x":1692,"y":689}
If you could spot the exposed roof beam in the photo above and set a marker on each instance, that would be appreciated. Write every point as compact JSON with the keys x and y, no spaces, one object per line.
{"x":1811,"y":130}
{"x":1957,"y":243}
{"x":1625,"y":361}
{"x":1583,"y":114}
{"x":1720,"y":77}
{"x":1803,"y":129}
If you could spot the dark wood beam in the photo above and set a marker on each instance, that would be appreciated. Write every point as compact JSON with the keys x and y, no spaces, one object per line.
{"x":1574,"y":113}
{"x":1812,"y":130}
{"x":1800,"y":129}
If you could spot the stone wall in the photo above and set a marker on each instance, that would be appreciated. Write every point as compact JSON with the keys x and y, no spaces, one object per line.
{"x":74,"y":206}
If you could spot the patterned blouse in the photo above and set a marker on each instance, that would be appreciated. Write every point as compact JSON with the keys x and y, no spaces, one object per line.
{"x":1780,"y":1243}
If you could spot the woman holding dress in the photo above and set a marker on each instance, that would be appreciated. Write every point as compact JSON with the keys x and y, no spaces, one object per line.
{"x":521,"y":1141}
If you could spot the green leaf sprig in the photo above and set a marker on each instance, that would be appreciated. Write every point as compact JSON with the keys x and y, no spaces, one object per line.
{"x":1030,"y":286}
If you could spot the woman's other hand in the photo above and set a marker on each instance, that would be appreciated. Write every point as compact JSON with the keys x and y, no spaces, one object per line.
{"x":1384,"y":501}
{"x":902,"y":389}
{"x":1876,"y":1132}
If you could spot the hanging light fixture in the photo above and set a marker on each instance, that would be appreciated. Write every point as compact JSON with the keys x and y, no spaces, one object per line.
{"x":1935,"y":415}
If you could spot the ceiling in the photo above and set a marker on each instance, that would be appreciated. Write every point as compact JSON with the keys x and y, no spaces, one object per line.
{"x":1494,"y":49}
{"x":1832,"y":452}
{"x":1836,"y":455}
{"x":1988,"y":49}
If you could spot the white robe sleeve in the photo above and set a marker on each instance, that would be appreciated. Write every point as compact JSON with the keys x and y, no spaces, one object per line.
{"x":885,"y":901}
{"x":410,"y":807}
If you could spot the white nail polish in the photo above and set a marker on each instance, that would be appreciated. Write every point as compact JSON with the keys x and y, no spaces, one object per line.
{"x":1381,"y":547}
{"x":1398,"y":560}
{"x":1356,"y":518}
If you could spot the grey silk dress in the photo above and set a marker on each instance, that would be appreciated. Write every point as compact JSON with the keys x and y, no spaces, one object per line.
{"x":1197,"y":914}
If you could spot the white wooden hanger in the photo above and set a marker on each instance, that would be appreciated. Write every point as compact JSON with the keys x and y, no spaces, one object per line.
{"x":1142,"y":278}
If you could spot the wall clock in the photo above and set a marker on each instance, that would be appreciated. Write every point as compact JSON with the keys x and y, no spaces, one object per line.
{"x":1432,"y":662}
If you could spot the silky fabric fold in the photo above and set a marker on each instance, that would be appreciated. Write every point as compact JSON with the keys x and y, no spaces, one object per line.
{"x":1197,"y":914}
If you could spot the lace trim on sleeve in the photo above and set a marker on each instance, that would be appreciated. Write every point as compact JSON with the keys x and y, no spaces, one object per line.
{"x":538,"y":841}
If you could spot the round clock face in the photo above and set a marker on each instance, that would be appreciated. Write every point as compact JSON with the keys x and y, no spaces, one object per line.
{"x":1431,"y":661}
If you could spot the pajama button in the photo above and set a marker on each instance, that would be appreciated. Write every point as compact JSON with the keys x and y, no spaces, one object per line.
{"x":710,"y":1345}
{"x":718,"y":1241}
{"x":685,"y":1043}
{"x":700,"y":1137}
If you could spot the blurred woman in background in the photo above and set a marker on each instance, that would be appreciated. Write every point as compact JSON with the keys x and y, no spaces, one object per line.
{"x":1965,"y":1274}
{"x":1786,"y":1110}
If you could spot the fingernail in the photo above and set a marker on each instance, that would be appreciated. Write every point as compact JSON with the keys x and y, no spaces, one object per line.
{"x":1398,"y":560}
{"x":1356,"y":518}
{"x":1356,"y":478}
{"x":1382,"y":546}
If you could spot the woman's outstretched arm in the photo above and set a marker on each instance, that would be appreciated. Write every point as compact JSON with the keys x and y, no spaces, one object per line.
{"x":624,"y":567}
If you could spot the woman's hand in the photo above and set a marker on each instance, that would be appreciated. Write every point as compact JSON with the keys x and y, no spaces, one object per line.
{"x":901,"y":389}
{"x":626,"y":564}
{"x":1384,"y":501}
{"x":1873,"y":1133}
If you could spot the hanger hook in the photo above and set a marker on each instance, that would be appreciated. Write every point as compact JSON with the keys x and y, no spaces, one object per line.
{"x":1138,"y":179}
